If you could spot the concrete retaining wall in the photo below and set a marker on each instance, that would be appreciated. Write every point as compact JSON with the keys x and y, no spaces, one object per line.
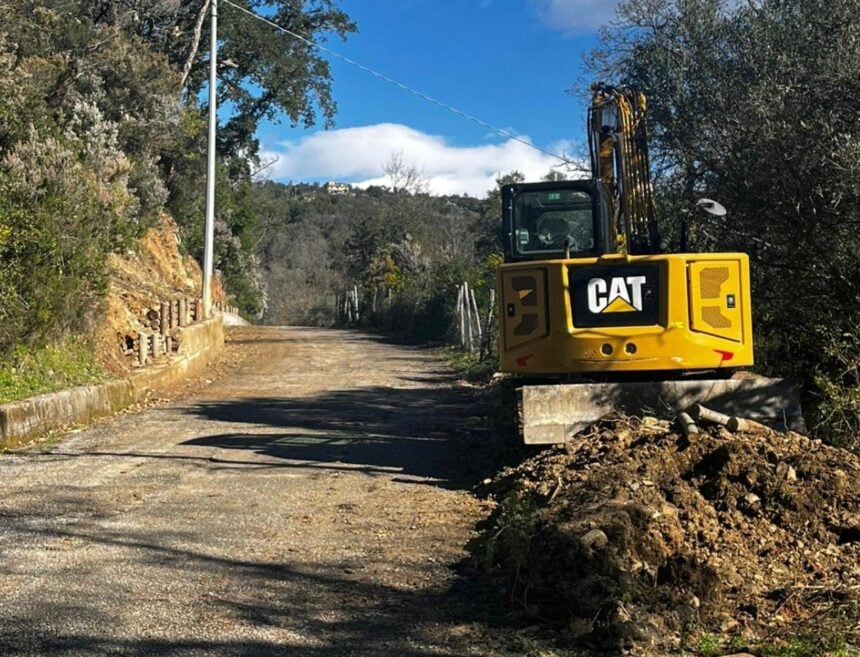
{"x":24,"y":420}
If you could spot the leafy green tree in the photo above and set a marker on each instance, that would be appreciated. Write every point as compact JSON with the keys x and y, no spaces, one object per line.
{"x":267,"y":72}
{"x":270,"y":74}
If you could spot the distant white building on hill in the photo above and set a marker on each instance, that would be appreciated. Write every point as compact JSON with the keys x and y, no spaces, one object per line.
{"x":337,"y":188}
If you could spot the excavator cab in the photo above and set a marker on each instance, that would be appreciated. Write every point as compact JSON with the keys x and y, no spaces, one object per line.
{"x":554,"y":219}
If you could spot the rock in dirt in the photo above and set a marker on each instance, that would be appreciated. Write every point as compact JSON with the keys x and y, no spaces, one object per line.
{"x":595,"y":539}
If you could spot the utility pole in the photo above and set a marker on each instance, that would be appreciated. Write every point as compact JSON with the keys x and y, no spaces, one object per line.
{"x":209,"y":226}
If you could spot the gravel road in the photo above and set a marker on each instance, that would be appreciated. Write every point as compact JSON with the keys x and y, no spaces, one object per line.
{"x":312,"y":501}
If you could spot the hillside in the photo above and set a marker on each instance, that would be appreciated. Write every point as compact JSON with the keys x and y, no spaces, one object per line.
{"x":400,"y":244}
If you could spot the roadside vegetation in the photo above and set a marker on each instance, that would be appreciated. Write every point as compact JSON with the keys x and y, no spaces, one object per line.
{"x":403,"y":250}
{"x":30,"y":371}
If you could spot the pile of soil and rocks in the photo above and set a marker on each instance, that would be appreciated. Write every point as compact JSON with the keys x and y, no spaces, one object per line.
{"x":635,"y":538}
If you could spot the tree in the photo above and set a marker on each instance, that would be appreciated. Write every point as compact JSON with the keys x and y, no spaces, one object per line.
{"x":271,"y":73}
{"x":554,"y":175}
{"x":405,"y":178}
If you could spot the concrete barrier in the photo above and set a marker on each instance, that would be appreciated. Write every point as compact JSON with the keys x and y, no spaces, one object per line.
{"x":552,"y":414}
{"x":27,"y":419}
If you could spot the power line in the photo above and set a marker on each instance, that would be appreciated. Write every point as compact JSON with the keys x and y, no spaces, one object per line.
{"x":400,"y":85}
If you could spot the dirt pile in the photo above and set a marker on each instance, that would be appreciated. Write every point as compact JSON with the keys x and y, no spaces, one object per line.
{"x":633,"y":538}
{"x":155,"y":270}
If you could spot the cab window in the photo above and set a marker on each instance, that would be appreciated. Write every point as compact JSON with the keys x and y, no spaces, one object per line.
{"x":543,"y":221}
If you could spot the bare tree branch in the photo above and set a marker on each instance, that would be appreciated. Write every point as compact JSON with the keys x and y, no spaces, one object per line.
{"x":195,"y":44}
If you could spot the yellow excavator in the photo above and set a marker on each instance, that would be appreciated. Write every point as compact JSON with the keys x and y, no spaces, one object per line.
{"x":590,"y":293}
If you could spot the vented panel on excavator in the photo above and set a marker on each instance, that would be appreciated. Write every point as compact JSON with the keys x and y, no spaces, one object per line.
{"x":524,"y":304}
{"x":715,"y":298}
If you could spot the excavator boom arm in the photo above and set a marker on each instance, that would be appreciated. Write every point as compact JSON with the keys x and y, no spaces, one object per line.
{"x":619,"y":159}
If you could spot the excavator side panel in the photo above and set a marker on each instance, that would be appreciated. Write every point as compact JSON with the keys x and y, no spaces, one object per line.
{"x":716,"y":299}
{"x":525,"y":306}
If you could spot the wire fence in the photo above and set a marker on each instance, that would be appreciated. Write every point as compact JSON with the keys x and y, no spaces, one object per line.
{"x":473,"y":322}
{"x":476,"y":331}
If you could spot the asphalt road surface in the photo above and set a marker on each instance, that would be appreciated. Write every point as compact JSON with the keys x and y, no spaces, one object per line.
{"x":312,"y":501}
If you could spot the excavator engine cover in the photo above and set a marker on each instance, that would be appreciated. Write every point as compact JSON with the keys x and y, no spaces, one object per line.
{"x":611,"y":314}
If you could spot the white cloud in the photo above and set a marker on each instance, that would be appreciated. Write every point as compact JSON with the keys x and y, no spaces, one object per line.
{"x":575,"y":15}
{"x":357,"y":155}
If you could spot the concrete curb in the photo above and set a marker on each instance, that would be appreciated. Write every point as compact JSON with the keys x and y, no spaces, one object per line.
{"x":24,"y":420}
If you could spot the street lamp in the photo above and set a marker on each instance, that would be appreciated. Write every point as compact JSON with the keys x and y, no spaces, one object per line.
{"x":209,"y":224}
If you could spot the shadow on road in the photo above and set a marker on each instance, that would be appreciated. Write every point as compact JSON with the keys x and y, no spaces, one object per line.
{"x":341,"y":615}
{"x":430,"y":433}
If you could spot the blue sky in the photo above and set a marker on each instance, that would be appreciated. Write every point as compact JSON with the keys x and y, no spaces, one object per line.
{"x":508,"y":62}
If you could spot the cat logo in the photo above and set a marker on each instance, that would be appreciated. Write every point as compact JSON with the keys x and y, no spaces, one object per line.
{"x":623,"y":294}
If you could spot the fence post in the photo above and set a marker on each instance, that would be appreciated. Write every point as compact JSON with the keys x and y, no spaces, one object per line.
{"x":468,"y":309}
{"x":142,"y":347}
{"x":477,"y":316}
{"x":460,"y":326}
{"x":355,"y":298}
{"x":183,"y":311}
